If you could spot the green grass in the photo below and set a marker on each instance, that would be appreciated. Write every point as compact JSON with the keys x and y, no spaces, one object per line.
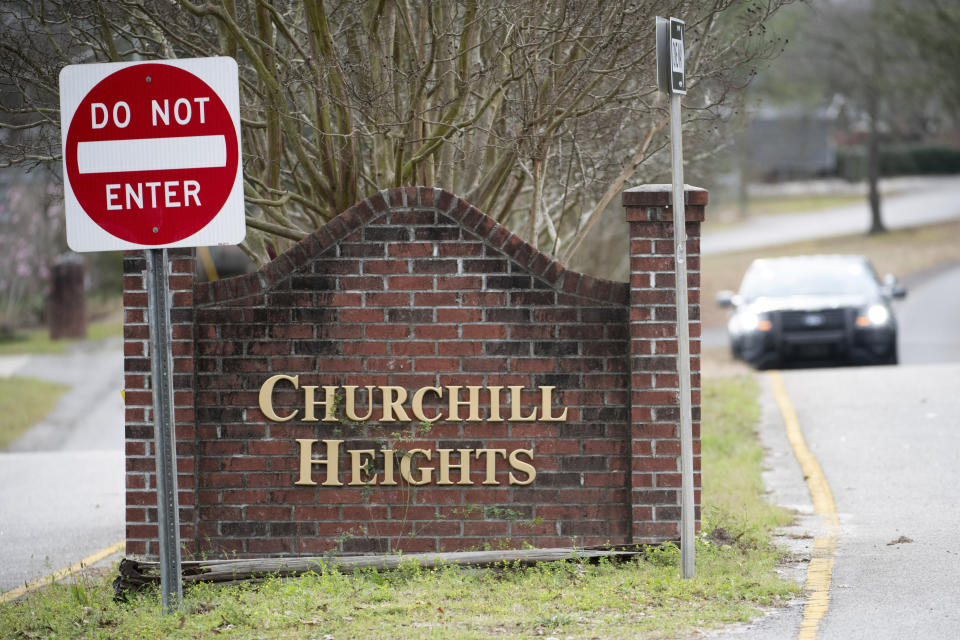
{"x":734,"y":506}
{"x":23,"y":402}
{"x":802,"y":203}
{"x":37,"y":341}
{"x":643,"y":598}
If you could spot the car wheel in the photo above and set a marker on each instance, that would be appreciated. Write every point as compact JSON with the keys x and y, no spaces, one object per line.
{"x":893,"y":357}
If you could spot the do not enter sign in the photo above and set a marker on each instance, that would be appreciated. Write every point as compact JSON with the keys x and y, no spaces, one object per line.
{"x":151,"y":154}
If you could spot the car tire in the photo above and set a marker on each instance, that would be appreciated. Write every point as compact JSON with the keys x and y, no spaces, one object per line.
{"x":735,"y":351}
{"x":893,"y":358}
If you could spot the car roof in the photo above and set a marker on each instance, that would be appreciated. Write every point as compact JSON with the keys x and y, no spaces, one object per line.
{"x":822,"y":260}
{"x":800,"y":260}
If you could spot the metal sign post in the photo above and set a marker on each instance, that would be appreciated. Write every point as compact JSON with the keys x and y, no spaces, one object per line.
{"x":161,"y":362}
{"x":671,"y":78}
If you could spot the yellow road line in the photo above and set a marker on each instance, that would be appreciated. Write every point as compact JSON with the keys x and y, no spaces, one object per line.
{"x":13,"y":594}
{"x":820,"y":571}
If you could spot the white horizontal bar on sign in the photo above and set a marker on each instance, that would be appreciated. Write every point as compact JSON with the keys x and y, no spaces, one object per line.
{"x":151,"y":154}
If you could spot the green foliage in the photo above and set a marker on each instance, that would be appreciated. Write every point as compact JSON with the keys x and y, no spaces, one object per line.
{"x":734,"y":509}
{"x":666,"y":555}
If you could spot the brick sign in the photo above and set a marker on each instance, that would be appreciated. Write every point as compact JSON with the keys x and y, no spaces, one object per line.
{"x":414,"y":376}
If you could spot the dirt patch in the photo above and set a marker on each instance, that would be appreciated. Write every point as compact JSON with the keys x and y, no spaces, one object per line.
{"x":717,"y":362}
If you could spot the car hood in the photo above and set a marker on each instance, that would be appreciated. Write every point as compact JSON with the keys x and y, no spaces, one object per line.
{"x":809,"y":303}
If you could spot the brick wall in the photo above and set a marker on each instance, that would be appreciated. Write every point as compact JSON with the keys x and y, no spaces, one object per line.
{"x":141,"y":477}
{"x":655,"y":385}
{"x":414,"y":288}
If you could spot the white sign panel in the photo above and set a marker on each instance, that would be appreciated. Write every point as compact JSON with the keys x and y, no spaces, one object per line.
{"x":151,"y":154}
{"x":678,"y":81}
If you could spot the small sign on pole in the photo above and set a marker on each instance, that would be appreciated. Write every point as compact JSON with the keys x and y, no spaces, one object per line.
{"x":151,"y":160}
{"x":678,"y":83}
{"x":671,"y":78}
{"x":671,"y":63}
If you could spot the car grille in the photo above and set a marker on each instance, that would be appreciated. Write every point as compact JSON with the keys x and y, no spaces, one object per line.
{"x":823,"y":320}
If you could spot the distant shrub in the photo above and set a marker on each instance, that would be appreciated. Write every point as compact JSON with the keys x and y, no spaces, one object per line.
{"x":899,"y":160}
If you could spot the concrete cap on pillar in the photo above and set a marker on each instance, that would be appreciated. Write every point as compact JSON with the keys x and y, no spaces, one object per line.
{"x":661,"y":195}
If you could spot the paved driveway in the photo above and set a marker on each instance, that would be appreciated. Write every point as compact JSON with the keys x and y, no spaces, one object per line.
{"x":62,"y":483}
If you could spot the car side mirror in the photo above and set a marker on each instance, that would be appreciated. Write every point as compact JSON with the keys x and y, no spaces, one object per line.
{"x":893,"y":288}
{"x":727,"y":299}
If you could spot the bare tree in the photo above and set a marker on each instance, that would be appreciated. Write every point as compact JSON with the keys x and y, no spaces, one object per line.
{"x":537,"y":112}
{"x":891,"y":64}
{"x":930,"y":28}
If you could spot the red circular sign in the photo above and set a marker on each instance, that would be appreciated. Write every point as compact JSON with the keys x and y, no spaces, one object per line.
{"x":151,"y":154}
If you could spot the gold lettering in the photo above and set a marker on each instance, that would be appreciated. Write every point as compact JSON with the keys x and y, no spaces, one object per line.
{"x":495,"y":404}
{"x":394,"y":398}
{"x":491,"y":463}
{"x":524,"y":467}
{"x":266,"y":397}
{"x":545,"y":407}
{"x":331,"y":463}
{"x":417,"y":406}
{"x":445,"y":466}
{"x":328,"y":403}
{"x":473,"y":403}
{"x":391,"y":403}
{"x":350,"y":401}
{"x":515,"y":402}
{"x":357,"y":467}
{"x":388,"y":479}
{"x":425,"y":473}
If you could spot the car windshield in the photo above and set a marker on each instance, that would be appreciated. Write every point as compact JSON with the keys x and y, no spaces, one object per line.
{"x":773,"y":279}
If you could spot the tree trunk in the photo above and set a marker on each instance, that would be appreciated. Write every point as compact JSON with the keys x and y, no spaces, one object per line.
{"x":873,"y":155}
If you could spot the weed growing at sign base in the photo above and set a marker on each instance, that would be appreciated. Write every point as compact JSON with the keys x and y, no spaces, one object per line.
{"x":640,"y":598}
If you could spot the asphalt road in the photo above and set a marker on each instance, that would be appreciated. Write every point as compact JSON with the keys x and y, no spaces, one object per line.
{"x":62,"y":484}
{"x":889,"y":444}
{"x":888,"y":440}
{"x":929,"y":200}
{"x":929,"y":320}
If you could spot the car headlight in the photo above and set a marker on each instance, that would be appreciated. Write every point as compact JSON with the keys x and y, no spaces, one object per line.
{"x":876,"y":315}
{"x":751,"y":321}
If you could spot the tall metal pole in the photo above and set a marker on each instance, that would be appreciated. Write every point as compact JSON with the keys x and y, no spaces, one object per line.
{"x":687,"y":514}
{"x":161,"y":359}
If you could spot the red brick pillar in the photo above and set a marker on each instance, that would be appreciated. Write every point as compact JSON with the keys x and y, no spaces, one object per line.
{"x":141,"y":477}
{"x":654,"y":387}
{"x":67,"y":304}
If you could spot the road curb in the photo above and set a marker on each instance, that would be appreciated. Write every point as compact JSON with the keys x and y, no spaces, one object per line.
{"x":820,"y":569}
